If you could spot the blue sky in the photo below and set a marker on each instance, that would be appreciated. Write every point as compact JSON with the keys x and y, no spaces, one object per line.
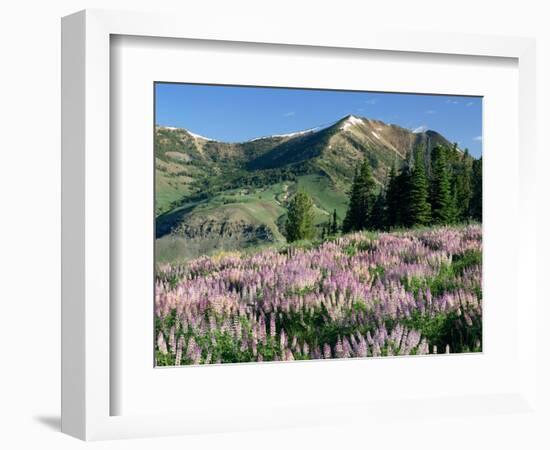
{"x":236,"y":114}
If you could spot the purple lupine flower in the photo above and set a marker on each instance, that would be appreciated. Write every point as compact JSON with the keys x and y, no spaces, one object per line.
{"x":327,"y":353}
{"x":339,"y":349}
{"x":172,"y":339}
{"x":346,"y":347}
{"x":272,"y":326}
{"x":361,"y":349}
{"x":423,"y":348}
{"x":179,"y":350}
{"x":283,"y":339}
{"x":161,"y":344}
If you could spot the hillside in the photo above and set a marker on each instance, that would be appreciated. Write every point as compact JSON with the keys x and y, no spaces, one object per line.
{"x":213,"y":196}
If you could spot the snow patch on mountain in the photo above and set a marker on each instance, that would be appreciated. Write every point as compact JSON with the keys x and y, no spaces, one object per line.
{"x":198,"y":136}
{"x":195,"y":135}
{"x":286,"y":135}
{"x":420,"y":129}
{"x":351,"y":121}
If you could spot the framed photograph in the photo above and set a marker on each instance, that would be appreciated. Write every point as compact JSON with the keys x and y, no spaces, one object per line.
{"x":347,"y":237}
{"x":313,"y":222}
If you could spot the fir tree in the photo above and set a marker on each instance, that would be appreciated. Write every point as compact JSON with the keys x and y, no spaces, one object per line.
{"x":443,"y":211}
{"x":362,"y":197}
{"x":352,"y":214}
{"x":334,"y":223}
{"x":419,"y":207}
{"x":464,"y":186}
{"x":392,"y":199}
{"x":300,"y":217}
{"x":379,"y":212}
{"x":476,"y":203}
{"x":403,"y":211}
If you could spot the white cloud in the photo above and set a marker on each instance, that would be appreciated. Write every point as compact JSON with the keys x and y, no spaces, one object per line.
{"x":452,"y":102}
{"x":370,"y":101}
{"x":431,"y":111}
{"x":289,"y":114}
{"x":469,"y":103}
{"x":420,"y":129}
{"x":477,"y":138}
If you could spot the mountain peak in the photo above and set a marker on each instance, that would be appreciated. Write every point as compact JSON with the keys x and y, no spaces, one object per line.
{"x":349,"y":121}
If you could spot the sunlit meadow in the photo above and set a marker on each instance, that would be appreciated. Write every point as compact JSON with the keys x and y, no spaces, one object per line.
{"x":364,"y":295}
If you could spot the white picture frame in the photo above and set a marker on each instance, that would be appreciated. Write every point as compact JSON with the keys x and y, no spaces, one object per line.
{"x":87,"y":316}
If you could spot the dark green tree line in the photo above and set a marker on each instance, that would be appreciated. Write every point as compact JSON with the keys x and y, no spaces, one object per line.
{"x":449,"y":192}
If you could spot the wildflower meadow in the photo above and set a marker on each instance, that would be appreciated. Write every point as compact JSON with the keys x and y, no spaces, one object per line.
{"x":363,"y":294}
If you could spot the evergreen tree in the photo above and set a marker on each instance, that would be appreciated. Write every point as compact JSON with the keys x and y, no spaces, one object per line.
{"x":443,"y":211}
{"x":300,"y":217}
{"x":379,"y":212}
{"x":476,"y":203}
{"x":334,"y":223}
{"x":419,"y":207}
{"x":463,"y":185}
{"x":353,"y":213}
{"x":403,"y":211}
{"x":358,"y":216}
{"x":392,"y":199}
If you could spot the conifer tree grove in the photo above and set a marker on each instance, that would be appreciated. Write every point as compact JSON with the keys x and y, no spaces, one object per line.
{"x":299,"y":223}
{"x":451,"y":193}
{"x":443,"y":211}
{"x":419,"y":207}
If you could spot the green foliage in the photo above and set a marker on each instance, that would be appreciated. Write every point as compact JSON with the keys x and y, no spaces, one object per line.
{"x":359,"y":214}
{"x":476,"y":209}
{"x":379,"y":212}
{"x":300,"y":218}
{"x":419,"y":207}
{"x":443,"y":210}
{"x":334,"y":223}
{"x":398,"y":212}
{"x":392,"y":199}
{"x":463,"y":186}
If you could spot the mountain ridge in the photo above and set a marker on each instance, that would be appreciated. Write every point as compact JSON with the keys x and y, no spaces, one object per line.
{"x":290,"y":133}
{"x":207,"y":188}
